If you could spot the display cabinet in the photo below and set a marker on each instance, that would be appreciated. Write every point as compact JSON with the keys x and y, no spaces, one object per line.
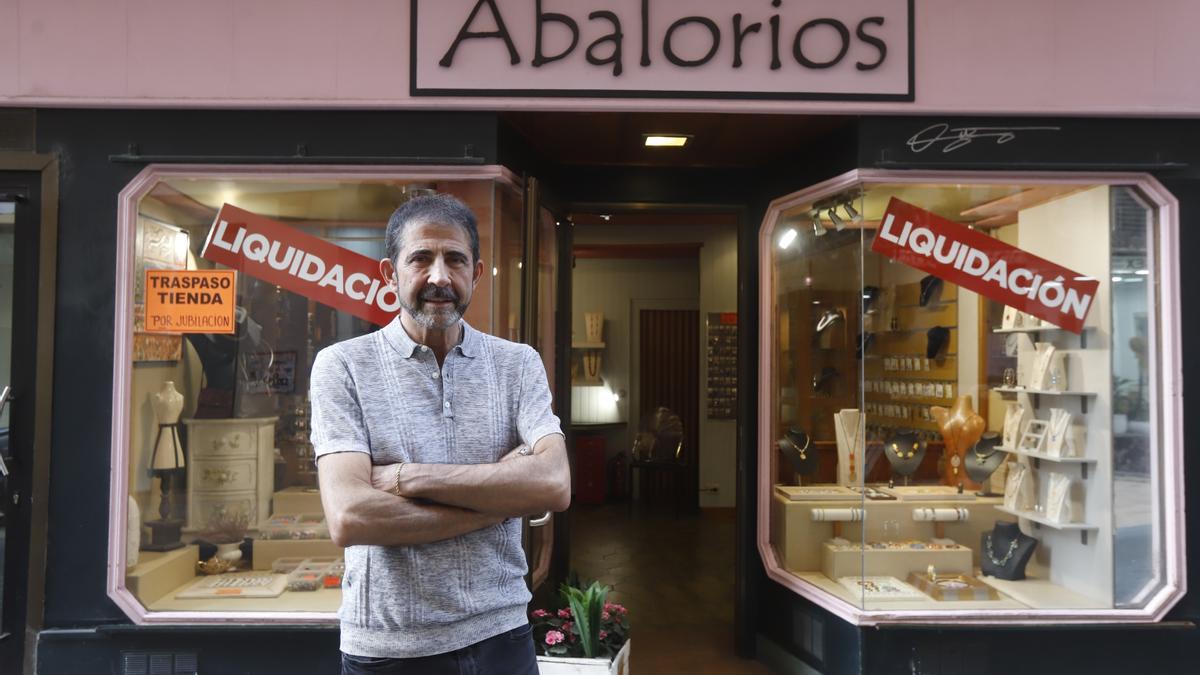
{"x":969,"y":402}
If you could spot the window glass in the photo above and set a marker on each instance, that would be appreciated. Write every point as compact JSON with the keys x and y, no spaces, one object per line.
{"x":220,"y":469}
{"x":937,"y":443}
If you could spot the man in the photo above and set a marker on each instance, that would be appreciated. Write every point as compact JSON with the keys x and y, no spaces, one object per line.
{"x":433,"y":439}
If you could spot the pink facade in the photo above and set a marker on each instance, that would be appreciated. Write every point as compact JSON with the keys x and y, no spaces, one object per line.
{"x":1092,"y":57}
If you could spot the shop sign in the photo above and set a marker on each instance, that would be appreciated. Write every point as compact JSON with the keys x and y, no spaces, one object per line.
{"x":306,"y":265}
{"x":190,"y":301}
{"x":739,"y":49}
{"x":987,"y":266}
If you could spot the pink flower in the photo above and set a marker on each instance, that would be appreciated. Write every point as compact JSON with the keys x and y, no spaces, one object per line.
{"x":553,"y":637}
{"x":566,"y":627}
{"x":614,"y":607}
{"x":603,"y":634}
{"x":564,"y":613}
{"x":540,"y":614}
{"x":605,"y":615}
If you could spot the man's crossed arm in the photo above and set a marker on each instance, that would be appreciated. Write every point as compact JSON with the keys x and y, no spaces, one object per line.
{"x":438,"y":501}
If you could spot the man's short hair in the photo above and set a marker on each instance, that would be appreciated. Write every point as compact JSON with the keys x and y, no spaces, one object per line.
{"x":434,"y":208}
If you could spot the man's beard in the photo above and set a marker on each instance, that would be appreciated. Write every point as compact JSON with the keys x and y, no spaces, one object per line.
{"x":439,"y":318}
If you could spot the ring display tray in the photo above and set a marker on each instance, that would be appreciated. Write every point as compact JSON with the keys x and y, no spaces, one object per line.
{"x":879,"y":588}
{"x":928,"y":492}
{"x":243,"y":585}
{"x":820,"y":493}
{"x":958,"y":587}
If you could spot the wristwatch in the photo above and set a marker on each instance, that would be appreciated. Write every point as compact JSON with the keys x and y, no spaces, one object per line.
{"x":396,"y":486}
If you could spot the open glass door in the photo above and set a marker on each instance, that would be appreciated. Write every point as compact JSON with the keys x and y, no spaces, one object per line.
{"x":542,"y":293}
{"x":23,"y":413}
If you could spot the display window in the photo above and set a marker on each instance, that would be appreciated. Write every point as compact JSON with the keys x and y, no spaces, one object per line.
{"x":229,"y":281}
{"x":969,"y":397}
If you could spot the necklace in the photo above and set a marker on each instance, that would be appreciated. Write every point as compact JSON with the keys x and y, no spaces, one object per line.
{"x":1059,"y":420}
{"x":1012,"y":548}
{"x":853,"y":444}
{"x":592,"y":363}
{"x":982,"y":457}
{"x":904,"y":455}
{"x":802,"y":451}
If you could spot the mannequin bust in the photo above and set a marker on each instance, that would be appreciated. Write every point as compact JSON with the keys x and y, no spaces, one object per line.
{"x":983,"y":460}
{"x":1005,"y":551}
{"x":168,"y":405}
{"x":961,"y":428}
{"x":797,"y":447}
{"x":904,"y":451}
{"x":219,"y":356}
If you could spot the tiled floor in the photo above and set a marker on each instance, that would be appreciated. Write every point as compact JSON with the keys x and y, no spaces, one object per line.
{"x":675,"y":576}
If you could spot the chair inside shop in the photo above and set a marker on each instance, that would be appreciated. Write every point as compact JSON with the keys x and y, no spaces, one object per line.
{"x":658,"y":452}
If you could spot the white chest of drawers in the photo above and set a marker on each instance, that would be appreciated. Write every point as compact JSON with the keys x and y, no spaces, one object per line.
{"x":230,"y":467}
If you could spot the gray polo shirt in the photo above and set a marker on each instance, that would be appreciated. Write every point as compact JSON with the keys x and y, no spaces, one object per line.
{"x":384,"y":395}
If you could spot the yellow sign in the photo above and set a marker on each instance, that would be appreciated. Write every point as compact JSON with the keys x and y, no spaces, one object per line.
{"x":191,"y":301}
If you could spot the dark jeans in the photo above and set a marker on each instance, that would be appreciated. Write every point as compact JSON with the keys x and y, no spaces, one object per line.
{"x":508,"y":653}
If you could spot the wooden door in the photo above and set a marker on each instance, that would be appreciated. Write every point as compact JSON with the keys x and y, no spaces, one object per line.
{"x":669,"y":374}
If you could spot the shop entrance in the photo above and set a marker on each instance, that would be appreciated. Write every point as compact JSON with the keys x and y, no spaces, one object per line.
{"x":24,"y":412}
{"x":660,"y":253}
{"x":654,"y":321}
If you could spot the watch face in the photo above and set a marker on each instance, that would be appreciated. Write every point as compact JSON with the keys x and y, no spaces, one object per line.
{"x":955,"y":460}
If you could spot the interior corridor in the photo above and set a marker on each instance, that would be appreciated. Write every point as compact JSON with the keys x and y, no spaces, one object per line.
{"x":674,"y":575}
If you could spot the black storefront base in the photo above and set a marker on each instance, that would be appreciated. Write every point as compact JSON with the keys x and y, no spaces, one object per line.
{"x":183,"y":650}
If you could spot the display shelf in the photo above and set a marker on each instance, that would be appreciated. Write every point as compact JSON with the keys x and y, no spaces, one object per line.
{"x":1042,"y":392}
{"x":1082,"y":528}
{"x":1040,"y":329}
{"x":1037,"y":592}
{"x":839,"y":591}
{"x":883,"y":421}
{"x":1083,"y":462}
{"x":875,"y":397}
{"x":1083,"y":395}
{"x":1046,"y":329}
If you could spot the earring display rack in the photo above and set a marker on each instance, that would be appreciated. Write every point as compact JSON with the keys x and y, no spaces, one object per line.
{"x":901,"y":383}
{"x":722,"y":365}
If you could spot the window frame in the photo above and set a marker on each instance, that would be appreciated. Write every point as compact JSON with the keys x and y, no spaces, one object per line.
{"x":127,"y":213}
{"x":1168,"y":438}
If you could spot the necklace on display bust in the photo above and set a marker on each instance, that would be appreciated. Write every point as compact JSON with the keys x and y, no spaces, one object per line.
{"x":853,"y":454}
{"x":906,"y":452}
{"x":795,"y":445}
{"x":1012,"y":548}
{"x":1006,"y":551}
{"x":803,"y":451}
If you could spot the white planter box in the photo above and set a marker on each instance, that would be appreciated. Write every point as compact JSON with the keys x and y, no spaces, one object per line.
{"x":557,"y":665}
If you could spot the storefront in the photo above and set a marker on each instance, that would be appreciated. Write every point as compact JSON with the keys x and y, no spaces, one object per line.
{"x":962,"y":316}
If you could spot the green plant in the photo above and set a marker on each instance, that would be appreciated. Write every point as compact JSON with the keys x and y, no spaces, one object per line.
{"x":585,"y":623}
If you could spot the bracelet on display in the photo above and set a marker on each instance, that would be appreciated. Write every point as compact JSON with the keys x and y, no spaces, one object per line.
{"x":396,"y":486}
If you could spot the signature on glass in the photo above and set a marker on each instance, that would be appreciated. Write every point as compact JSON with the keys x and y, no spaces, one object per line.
{"x":958,"y":137}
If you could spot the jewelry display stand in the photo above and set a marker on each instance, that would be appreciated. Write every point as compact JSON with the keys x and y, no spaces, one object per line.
{"x":984,"y":458}
{"x":796,"y":446}
{"x":960,"y":427}
{"x":905,"y":451}
{"x":851,"y":444}
{"x":585,"y":372}
{"x":1006,"y":551}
